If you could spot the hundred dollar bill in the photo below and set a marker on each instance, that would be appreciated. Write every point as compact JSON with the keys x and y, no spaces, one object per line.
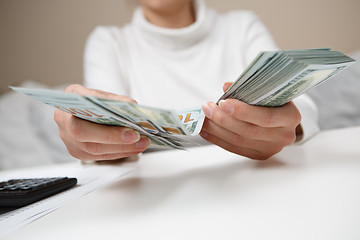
{"x":161,"y":126}
{"x":131,"y":112}
{"x":272,"y":79}
{"x":275,"y":78}
{"x":192,"y":119}
{"x":155,"y":120}
{"x":127,"y":111}
{"x":84,"y":108}
{"x":300,"y":83}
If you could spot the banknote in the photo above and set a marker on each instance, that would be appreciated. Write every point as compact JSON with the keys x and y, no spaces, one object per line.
{"x":276,"y":77}
{"x":116,"y":113}
{"x":159,"y":122}
{"x":176,"y":122}
{"x":272,"y":79}
{"x":192,"y":119}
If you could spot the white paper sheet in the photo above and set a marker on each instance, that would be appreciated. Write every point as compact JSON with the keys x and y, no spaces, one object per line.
{"x":90,"y":177}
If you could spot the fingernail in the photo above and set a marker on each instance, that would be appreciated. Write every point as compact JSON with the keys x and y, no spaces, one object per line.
{"x":226,"y":106}
{"x":207,"y":110}
{"x":130,"y":136}
{"x":143,"y":143}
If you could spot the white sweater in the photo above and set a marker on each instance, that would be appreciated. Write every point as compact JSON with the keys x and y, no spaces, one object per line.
{"x":180,"y":68}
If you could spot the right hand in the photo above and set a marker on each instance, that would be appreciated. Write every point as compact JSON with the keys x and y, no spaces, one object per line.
{"x":90,"y":141}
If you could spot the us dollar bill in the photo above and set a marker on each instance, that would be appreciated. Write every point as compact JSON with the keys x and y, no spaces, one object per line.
{"x":109,"y":112}
{"x":272,"y":79}
{"x":277,"y":77}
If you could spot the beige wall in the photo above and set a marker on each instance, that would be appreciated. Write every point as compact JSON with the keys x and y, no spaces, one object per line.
{"x":43,"y":40}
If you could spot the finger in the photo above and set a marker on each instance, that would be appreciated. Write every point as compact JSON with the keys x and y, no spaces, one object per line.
{"x":239,"y":129}
{"x":226,"y":86}
{"x":85,"y":131}
{"x":287,"y":115}
{"x":81,"y":90}
{"x":84,"y":156}
{"x":96,"y":151}
{"x":242,"y":128}
{"x":243,"y":151}
{"x":100,"y":149}
{"x":239,"y":140}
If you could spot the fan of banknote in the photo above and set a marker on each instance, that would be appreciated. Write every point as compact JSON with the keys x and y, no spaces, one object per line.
{"x":163,"y":127}
{"x":272,"y":79}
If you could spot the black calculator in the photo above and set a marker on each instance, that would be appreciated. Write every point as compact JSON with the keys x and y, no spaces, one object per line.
{"x":21,"y":192}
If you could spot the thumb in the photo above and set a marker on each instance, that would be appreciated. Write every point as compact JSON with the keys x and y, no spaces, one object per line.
{"x":226,"y":86}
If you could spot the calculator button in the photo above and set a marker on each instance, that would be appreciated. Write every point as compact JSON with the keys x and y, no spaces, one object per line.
{"x":20,"y":192}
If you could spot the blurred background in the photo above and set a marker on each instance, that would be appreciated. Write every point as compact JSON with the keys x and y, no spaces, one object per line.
{"x":42,"y":44}
{"x":43,"y":40}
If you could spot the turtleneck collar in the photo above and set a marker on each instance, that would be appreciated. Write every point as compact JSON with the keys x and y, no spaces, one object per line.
{"x":179,"y":37}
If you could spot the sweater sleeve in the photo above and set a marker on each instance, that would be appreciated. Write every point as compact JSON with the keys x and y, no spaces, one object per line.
{"x":103,"y":67}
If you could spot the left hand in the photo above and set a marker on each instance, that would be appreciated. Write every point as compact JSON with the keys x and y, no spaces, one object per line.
{"x":253,"y":131}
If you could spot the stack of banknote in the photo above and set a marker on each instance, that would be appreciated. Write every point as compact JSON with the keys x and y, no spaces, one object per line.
{"x":275,"y":78}
{"x":272,"y":79}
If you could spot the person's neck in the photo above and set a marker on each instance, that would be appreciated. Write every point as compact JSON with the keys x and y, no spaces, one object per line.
{"x":177,"y":18}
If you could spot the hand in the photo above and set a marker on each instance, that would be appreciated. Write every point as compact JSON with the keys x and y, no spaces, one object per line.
{"x":90,"y":141}
{"x":252,"y":131}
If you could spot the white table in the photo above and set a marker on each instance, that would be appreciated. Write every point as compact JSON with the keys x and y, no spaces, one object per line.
{"x":310,"y":191}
